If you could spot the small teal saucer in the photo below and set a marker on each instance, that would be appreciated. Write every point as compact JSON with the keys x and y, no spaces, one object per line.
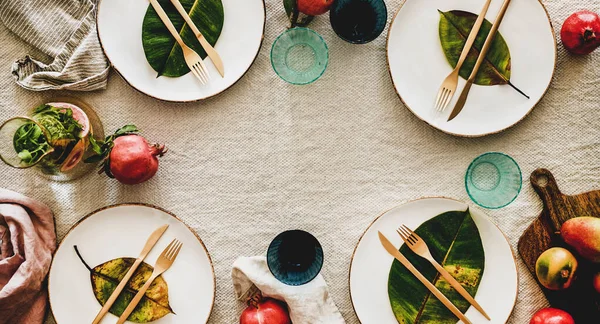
{"x":493,"y":180}
{"x":299,"y":56}
{"x":295,"y":257}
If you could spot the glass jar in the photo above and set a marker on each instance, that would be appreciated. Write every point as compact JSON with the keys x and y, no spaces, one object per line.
{"x":55,"y":140}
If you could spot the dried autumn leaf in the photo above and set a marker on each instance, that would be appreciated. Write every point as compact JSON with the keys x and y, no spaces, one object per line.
{"x":454,"y":241}
{"x":106,"y":276}
{"x":454,"y":29}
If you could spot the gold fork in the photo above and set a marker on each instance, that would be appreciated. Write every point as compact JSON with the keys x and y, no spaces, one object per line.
{"x":448,"y":87}
{"x":417,"y":245}
{"x":164,"y":262}
{"x":192,"y":59}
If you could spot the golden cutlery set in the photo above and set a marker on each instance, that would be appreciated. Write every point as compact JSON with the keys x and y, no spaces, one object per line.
{"x":192,"y":59}
{"x":163,"y":263}
{"x":419,"y":247}
{"x":449,"y":85}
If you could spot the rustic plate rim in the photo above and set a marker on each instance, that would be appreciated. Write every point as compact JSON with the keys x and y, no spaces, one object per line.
{"x":138,"y":204}
{"x":262,"y":38}
{"x":387,"y":43}
{"x":426,"y":198}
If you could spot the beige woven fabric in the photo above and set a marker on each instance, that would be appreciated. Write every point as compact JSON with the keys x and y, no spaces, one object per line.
{"x":329,"y":157}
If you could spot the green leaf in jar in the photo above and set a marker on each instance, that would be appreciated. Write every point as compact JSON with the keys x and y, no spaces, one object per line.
{"x":454,"y":241}
{"x":162,"y":52}
{"x":106,"y":276}
{"x":454,"y":28}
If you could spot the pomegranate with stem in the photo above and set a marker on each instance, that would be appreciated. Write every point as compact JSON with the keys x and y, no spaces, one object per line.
{"x":265,"y":311}
{"x":580,"y":33}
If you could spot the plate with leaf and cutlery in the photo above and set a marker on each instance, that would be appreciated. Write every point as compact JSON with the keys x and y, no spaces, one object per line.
{"x":181,"y":50}
{"x":433,"y":260}
{"x":471,"y":67}
{"x":131,"y":262}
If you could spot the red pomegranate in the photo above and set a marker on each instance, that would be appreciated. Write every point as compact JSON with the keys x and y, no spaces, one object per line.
{"x":265,"y":311}
{"x":596,"y":282}
{"x":314,"y":7}
{"x":580,"y":33}
{"x":551,"y":316}
{"x":133,"y":160}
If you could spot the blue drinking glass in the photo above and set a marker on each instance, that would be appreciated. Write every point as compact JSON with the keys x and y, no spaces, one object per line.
{"x":358,"y":21}
{"x":299,"y":55}
{"x":493,"y":180}
{"x":295,"y":257}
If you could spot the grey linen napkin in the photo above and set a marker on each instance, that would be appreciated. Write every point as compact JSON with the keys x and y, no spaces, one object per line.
{"x":64,"y":30}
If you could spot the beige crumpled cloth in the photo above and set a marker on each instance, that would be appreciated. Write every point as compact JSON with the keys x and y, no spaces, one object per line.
{"x":28,"y":242}
{"x":308,"y":304}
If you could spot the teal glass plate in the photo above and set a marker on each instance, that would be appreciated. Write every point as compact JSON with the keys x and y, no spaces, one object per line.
{"x":493,"y":180}
{"x":299,"y":56}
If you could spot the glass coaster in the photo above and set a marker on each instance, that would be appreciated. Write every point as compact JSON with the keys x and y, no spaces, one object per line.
{"x":358,"y":21}
{"x":295,"y":257}
{"x":493,"y":180}
{"x":299,"y":56}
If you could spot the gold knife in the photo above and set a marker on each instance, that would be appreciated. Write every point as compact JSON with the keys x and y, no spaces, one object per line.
{"x":210,"y":51}
{"x":486,"y":46}
{"x":391,"y":249}
{"x":154,"y":237}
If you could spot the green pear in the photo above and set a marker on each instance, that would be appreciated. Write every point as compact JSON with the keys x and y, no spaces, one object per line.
{"x":583,"y":234}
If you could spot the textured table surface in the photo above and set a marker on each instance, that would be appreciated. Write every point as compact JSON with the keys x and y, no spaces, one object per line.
{"x":328,"y":158}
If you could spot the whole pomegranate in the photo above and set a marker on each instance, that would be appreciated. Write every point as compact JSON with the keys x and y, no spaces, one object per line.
{"x":314,"y":7}
{"x":580,"y":33}
{"x":133,"y":160}
{"x":127,"y":156}
{"x":265,"y":311}
{"x":551,"y":316}
{"x":596,"y":282}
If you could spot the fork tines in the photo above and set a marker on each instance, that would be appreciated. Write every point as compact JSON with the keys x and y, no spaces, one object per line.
{"x":200,"y":71}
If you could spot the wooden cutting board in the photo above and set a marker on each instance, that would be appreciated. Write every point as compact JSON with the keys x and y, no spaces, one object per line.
{"x":580,"y":300}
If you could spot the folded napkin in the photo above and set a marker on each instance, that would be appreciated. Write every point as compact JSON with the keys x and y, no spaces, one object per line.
{"x":28,"y":241}
{"x":308,"y":304}
{"x":64,"y":30}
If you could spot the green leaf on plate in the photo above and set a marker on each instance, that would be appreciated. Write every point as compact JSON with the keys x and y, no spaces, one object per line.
{"x":106,"y":276}
{"x":454,"y":242}
{"x":161,"y":50}
{"x":454,"y":28}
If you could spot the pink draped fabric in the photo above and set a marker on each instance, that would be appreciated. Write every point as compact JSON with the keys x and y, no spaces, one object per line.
{"x":28,"y":242}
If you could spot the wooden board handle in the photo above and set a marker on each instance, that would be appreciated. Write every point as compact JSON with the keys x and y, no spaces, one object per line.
{"x":545,"y":185}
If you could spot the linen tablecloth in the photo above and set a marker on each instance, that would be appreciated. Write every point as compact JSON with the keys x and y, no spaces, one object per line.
{"x":266,"y":156}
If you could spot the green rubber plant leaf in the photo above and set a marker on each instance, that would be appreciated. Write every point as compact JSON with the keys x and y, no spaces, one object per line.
{"x":454,"y":242}
{"x":454,"y":28}
{"x":106,"y":276}
{"x":162,"y":51}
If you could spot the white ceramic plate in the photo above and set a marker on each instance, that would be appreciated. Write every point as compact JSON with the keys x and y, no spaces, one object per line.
{"x":371,"y":264}
{"x":120,"y":33}
{"x":121,"y":231}
{"x":418,"y":66}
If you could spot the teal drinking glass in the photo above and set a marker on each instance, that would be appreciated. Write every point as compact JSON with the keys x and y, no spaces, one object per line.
{"x":295,"y":257}
{"x":493,"y":180}
{"x":299,"y":56}
{"x":358,"y":21}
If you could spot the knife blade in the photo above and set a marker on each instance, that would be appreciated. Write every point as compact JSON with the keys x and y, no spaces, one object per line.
{"x":391,"y":249}
{"x":210,"y":51}
{"x":484,"y":49}
{"x":154,"y":237}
